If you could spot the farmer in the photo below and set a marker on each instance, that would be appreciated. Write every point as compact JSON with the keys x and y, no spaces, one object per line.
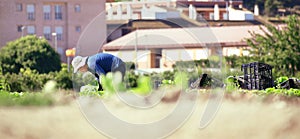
{"x":99,"y":64}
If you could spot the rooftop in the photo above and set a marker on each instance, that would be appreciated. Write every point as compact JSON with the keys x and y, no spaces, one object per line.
{"x":184,"y":37}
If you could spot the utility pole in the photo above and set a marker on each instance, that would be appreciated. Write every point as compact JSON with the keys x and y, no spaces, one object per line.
{"x":135,"y":48}
{"x":55,"y":40}
{"x":22,"y":28}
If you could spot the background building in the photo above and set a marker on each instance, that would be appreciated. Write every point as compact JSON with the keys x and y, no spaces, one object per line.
{"x":61,"y":22}
{"x":229,"y":10}
{"x":161,"y":48}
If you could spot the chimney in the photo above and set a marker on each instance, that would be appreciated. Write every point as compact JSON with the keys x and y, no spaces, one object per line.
{"x":216,"y":12}
{"x":256,"y":10}
{"x":192,"y":12}
{"x":129,"y":11}
{"x":119,"y":11}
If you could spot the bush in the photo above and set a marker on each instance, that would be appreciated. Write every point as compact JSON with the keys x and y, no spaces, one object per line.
{"x":26,"y":80}
{"x":64,"y":78}
{"x":31,"y":80}
{"x":168,"y":75}
{"x":29,"y":52}
{"x":130,"y":79}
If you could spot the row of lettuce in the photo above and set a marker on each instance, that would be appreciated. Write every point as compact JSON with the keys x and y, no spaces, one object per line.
{"x":28,"y":80}
{"x":30,"y":88}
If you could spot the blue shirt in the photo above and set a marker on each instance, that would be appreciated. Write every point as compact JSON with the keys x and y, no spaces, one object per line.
{"x":102,"y":63}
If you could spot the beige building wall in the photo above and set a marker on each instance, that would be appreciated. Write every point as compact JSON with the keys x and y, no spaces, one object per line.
{"x":170,"y":56}
{"x":14,"y":14}
{"x":143,"y":57}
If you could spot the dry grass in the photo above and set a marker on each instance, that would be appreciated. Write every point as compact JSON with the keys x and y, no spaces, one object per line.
{"x":239,"y":116}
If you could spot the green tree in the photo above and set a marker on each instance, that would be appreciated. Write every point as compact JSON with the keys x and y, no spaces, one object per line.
{"x":29,"y":52}
{"x":271,"y":7}
{"x":289,"y":3}
{"x":279,"y":47}
{"x":249,"y":4}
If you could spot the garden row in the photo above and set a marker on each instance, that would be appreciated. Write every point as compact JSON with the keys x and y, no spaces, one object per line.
{"x":31,"y":80}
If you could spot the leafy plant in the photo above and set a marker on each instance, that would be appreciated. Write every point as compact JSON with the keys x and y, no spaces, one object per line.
{"x":3,"y":84}
{"x":167,"y":82}
{"x":281,"y":79}
{"x":168,"y":75}
{"x":25,"y":99}
{"x":231,"y":84}
{"x":29,"y":52}
{"x":31,"y":80}
{"x":90,"y":90}
{"x":144,"y":86}
{"x":130,"y":79}
{"x":112,"y":82}
{"x":293,"y":92}
{"x":181,"y":80}
{"x":63,"y":78}
{"x":91,"y":93}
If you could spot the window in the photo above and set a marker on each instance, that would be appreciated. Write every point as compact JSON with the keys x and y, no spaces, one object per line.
{"x":77,"y":8}
{"x":59,"y":32}
{"x":211,"y":16}
{"x":19,"y":7}
{"x":47,"y":32}
{"x":19,"y":28}
{"x":30,"y":30}
{"x":78,"y":28}
{"x":47,"y":12}
{"x":30,"y":12}
{"x":58,"y":12}
{"x":225,"y":16}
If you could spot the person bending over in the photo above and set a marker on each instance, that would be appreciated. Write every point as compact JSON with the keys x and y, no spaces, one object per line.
{"x":99,"y":64}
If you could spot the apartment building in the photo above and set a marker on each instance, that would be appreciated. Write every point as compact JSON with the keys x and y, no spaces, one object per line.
{"x":230,"y":10}
{"x":61,"y":22}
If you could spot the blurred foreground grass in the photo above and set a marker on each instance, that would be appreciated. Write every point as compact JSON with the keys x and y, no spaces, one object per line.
{"x":25,"y":99}
{"x":33,"y":98}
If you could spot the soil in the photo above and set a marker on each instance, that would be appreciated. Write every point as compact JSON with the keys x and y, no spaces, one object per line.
{"x":239,"y":116}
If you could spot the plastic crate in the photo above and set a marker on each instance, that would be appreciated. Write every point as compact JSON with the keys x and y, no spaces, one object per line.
{"x":257,"y":76}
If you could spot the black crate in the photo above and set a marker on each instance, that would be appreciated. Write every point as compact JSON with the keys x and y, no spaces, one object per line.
{"x":257,"y":76}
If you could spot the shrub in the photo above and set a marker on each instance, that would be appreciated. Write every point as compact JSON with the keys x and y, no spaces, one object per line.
{"x":29,"y":52}
{"x":63,"y":78}
{"x":130,"y":79}
{"x":26,"y":80}
{"x":31,"y":80}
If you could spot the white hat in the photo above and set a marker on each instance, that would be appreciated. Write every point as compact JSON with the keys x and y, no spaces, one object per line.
{"x":78,"y":62}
